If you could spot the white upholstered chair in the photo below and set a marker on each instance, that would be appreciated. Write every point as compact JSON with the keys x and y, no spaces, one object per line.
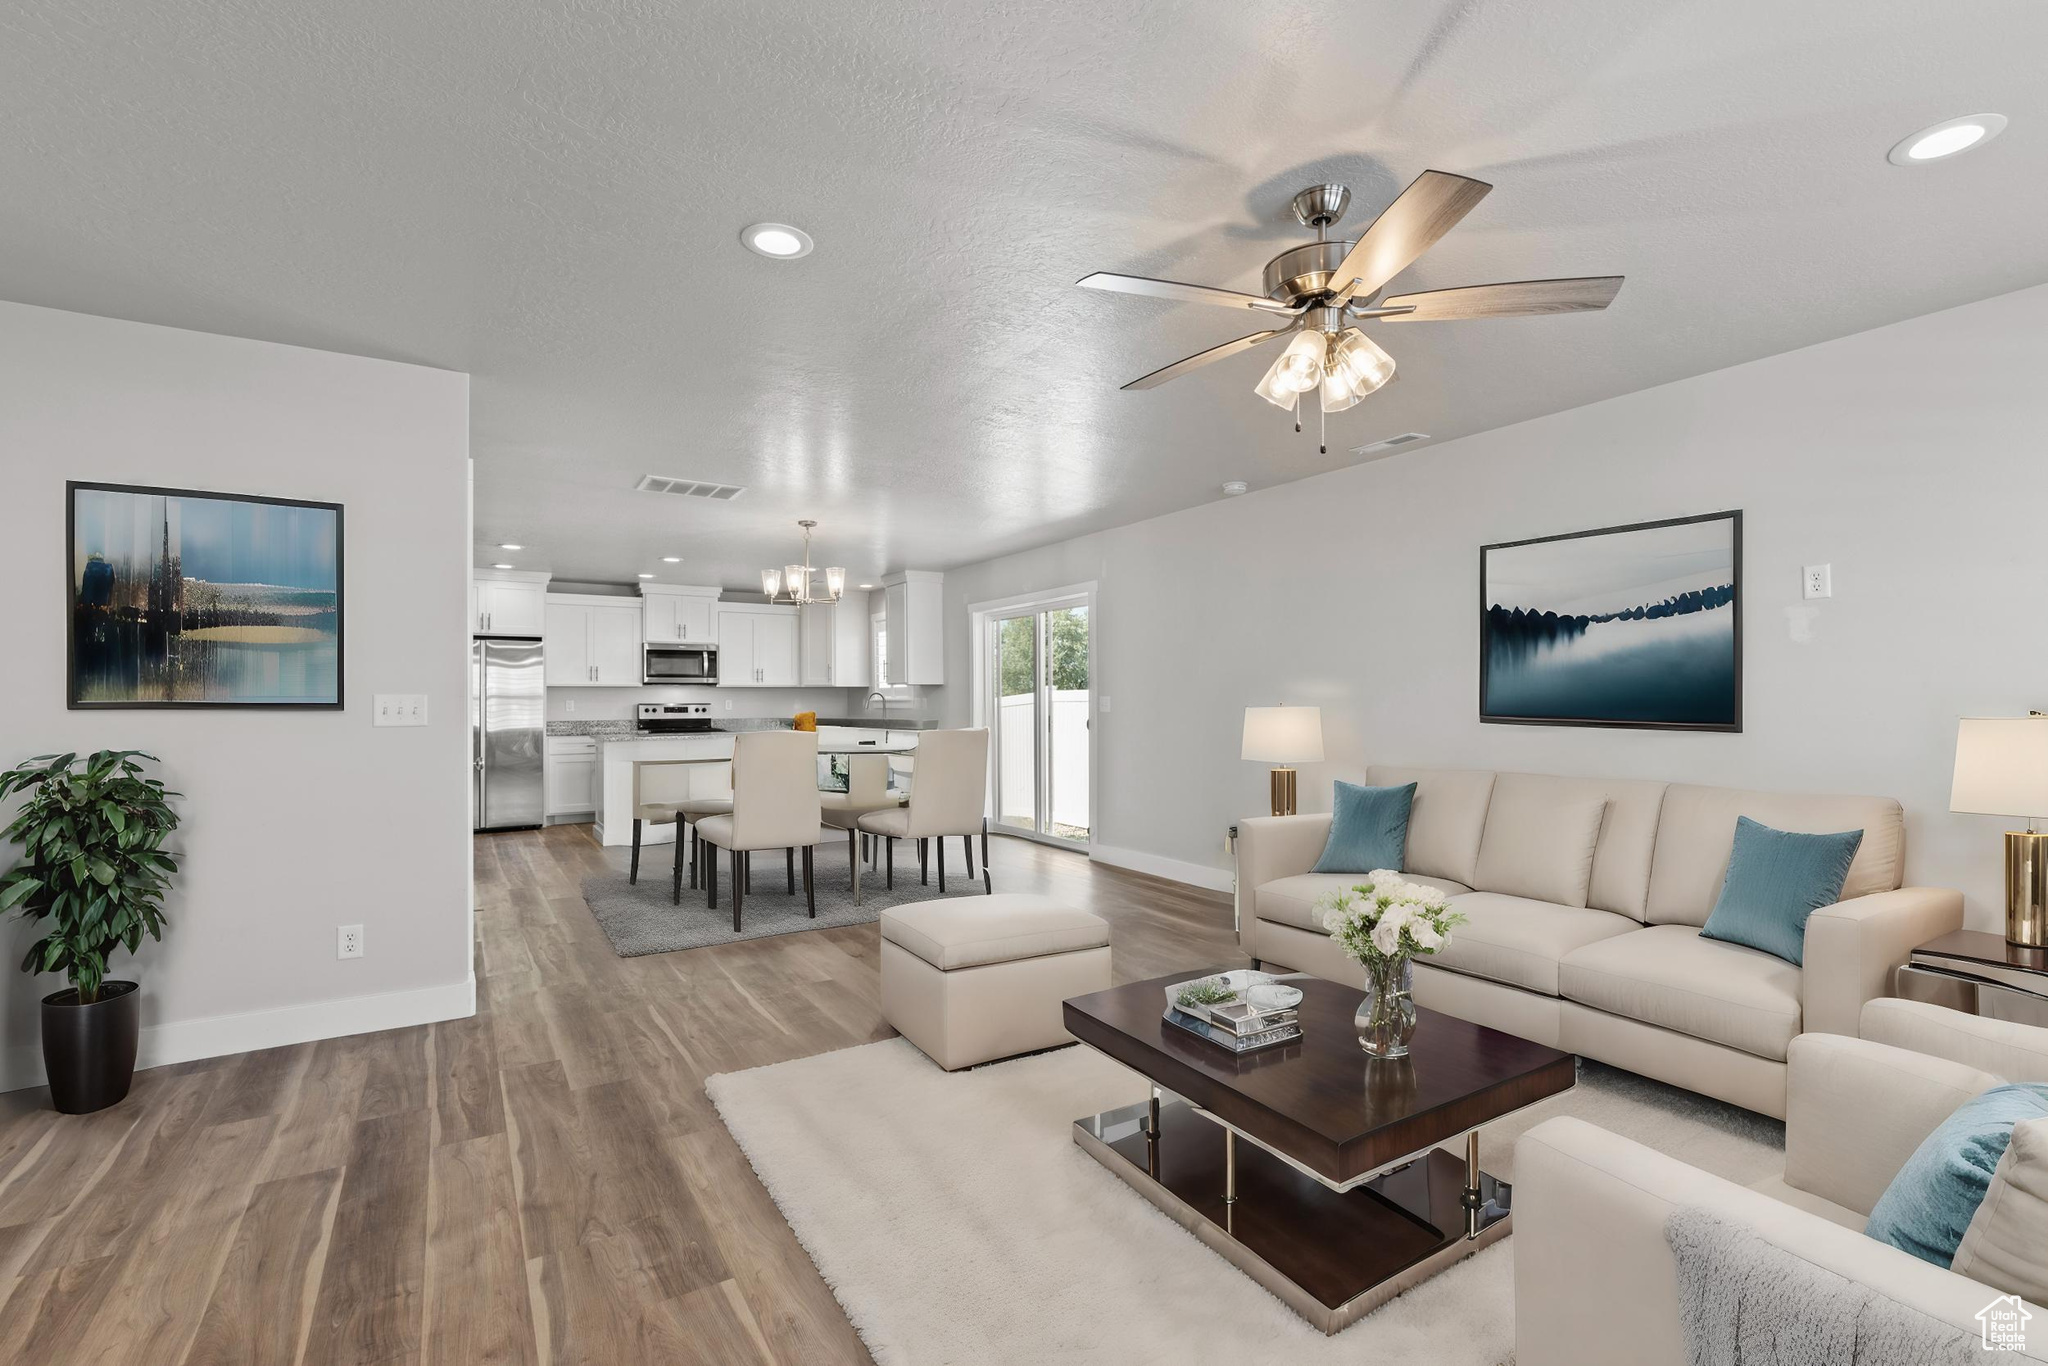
{"x":689,"y":811}
{"x":645,"y":814}
{"x":774,"y":806}
{"x":948,"y":796}
{"x":867,"y":789}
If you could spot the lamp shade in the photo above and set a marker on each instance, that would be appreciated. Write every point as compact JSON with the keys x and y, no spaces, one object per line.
{"x":1284,"y":735}
{"x":2001,"y":766}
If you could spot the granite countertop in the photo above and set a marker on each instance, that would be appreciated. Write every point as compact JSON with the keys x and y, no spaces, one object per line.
{"x":627,"y":730}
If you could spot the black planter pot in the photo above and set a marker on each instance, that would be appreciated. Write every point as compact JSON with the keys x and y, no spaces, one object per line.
{"x":89,"y":1051}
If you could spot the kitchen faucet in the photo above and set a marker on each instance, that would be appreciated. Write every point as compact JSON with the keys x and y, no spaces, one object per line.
{"x":877,"y":693}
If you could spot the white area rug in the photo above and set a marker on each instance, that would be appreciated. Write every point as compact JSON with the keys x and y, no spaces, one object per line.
{"x":956,"y":1221}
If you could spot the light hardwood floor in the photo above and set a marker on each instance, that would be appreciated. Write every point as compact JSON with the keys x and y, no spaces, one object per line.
{"x":542,"y":1183}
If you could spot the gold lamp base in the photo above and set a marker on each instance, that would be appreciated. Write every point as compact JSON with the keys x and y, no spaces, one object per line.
{"x":1283,"y":793}
{"x":2026,"y":885}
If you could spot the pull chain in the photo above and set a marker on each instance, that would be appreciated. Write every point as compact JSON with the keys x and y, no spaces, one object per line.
{"x":1322,"y":430}
{"x":1297,"y":414}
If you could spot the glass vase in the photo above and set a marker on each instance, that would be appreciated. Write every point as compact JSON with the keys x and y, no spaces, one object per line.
{"x":1386,"y":1017}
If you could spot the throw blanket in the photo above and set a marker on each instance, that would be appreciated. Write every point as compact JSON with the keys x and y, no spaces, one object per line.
{"x":1744,"y":1301}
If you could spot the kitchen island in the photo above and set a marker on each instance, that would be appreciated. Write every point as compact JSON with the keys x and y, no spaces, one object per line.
{"x":695,"y":765}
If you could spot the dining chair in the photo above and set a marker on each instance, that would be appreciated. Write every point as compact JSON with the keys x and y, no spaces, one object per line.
{"x":774,"y":806}
{"x":688,"y":811}
{"x":948,"y":797}
{"x":867,"y":789}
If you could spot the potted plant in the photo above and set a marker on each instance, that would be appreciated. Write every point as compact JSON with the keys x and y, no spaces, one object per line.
{"x":1382,"y":923}
{"x":93,"y":874}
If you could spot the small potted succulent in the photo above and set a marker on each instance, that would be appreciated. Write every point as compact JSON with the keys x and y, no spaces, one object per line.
{"x":92,"y":876}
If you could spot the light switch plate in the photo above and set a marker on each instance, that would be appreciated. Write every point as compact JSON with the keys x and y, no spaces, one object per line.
{"x":399,"y":709}
{"x":1817,"y":581}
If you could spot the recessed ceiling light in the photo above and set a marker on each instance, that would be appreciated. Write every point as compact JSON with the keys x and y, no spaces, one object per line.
{"x":647,"y":576}
{"x":777,"y":240}
{"x":507,"y":545}
{"x":864,"y":585}
{"x":1234,"y":487}
{"x":671,"y":559}
{"x":501,"y":566}
{"x":1946,"y":139}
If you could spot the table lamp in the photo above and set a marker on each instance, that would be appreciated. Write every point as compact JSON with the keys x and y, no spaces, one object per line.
{"x":1285,"y":736}
{"x":2002,"y":770}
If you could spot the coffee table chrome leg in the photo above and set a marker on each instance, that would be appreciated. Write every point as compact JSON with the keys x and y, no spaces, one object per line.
{"x":1152,"y":1136}
{"x":1230,"y":1166}
{"x":1471,"y":1198}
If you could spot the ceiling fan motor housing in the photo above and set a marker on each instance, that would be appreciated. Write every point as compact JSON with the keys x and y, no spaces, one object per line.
{"x":1307,"y":270}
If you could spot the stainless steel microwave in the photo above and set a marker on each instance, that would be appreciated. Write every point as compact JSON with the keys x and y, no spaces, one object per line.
{"x":680,"y":664}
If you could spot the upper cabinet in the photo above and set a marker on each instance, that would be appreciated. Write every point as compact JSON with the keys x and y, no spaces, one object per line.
{"x":591,"y":642}
{"x":915,"y":631}
{"x":834,"y":645}
{"x":757,"y":646}
{"x":671,"y":614}
{"x":508,"y":602}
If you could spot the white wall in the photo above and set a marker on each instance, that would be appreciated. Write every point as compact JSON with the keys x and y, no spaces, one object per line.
{"x":293,"y":822}
{"x":1910,"y":458}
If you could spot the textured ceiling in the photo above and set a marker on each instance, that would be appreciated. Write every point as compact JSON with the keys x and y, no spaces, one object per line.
{"x":548,"y":196}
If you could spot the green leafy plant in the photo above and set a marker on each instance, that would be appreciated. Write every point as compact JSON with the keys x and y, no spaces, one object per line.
{"x":93,"y":870}
{"x":1209,"y":991}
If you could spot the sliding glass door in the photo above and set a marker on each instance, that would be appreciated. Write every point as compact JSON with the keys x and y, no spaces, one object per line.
{"x":1038,"y":667}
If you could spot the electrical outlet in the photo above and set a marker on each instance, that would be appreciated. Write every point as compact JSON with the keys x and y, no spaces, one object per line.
{"x":399,"y":709}
{"x":728,"y":704}
{"x":572,"y":706}
{"x":348,"y":941}
{"x":1817,"y":581}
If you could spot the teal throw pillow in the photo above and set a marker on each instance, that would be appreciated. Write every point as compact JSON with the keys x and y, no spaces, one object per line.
{"x":1930,"y":1203}
{"x":1776,"y":880}
{"x":1368,"y":828}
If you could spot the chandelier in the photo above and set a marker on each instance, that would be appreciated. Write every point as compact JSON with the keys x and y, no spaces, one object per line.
{"x":794,"y":580}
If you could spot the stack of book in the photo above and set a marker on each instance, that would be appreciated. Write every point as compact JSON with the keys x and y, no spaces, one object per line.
{"x":1237,"y":1027}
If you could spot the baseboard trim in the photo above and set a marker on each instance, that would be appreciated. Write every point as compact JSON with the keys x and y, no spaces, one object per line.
{"x":215,"y":1035}
{"x":1172,"y":869}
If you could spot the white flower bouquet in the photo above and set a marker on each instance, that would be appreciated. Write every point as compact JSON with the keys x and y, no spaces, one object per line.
{"x":1383,"y":923}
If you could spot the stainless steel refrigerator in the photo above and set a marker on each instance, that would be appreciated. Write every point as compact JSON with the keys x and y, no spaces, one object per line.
{"x":507,"y":729}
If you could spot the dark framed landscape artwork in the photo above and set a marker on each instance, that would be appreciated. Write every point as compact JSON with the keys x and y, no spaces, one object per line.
{"x":178,"y":598}
{"x":1637,"y":626}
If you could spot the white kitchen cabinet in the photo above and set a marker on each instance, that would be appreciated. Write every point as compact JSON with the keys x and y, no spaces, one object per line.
{"x":757,"y":646}
{"x":571,"y":776}
{"x":834,"y":644}
{"x":675,"y":615}
{"x":508,"y":603}
{"x":591,"y":642}
{"x":915,"y":627}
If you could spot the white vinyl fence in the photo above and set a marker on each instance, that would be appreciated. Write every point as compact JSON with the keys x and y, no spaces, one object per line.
{"x":1070,"y":758}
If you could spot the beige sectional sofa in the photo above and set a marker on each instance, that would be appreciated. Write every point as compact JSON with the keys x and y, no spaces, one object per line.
{"x":1585,"y":897}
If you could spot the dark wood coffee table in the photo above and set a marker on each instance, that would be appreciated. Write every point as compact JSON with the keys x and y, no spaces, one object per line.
{"x":1338,"y":1199}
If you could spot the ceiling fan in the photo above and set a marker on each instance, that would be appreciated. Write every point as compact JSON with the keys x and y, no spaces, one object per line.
{"x":1325,"y":285}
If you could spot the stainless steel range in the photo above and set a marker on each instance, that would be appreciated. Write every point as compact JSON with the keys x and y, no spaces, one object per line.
{"x":673,"y":718}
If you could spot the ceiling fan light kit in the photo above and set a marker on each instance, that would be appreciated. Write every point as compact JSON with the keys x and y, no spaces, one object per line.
{"x":1325,"y":285}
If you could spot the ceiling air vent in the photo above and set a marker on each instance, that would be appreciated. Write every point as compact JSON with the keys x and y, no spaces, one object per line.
{"x":689,"y":488}
{"x":1391,"y":443}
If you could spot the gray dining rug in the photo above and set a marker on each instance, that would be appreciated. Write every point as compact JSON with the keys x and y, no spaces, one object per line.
{"x":641,"y":919}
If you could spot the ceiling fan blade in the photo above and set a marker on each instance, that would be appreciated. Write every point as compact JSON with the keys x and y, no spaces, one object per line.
{"x":1411,"y":225}
{"x":1202,"y":358}
{"x":1180,"y":293}
{"x":1520,"y":299}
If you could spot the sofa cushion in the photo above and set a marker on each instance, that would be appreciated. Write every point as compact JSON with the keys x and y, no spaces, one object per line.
{"x":1445,"y":820}
{"x":1628,"y":832}
{"x":972,"y":931}
{"x":1538,"y":843}
{"x":1931,"y":1202}
{"x":1519,"y":942}
{"x":1291,"y":900}
{"x":1666,"y":975}
{"x":1696,"y":832}
{"x":2006,"y":1244}
{"x":1368,"y":828}
{"x":1776,"y":880}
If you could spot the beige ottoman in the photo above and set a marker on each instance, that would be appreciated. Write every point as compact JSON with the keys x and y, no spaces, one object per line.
{"x":975,"y":978}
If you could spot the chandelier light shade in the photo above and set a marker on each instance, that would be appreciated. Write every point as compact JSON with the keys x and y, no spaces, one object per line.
{"x":795,"y":579}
